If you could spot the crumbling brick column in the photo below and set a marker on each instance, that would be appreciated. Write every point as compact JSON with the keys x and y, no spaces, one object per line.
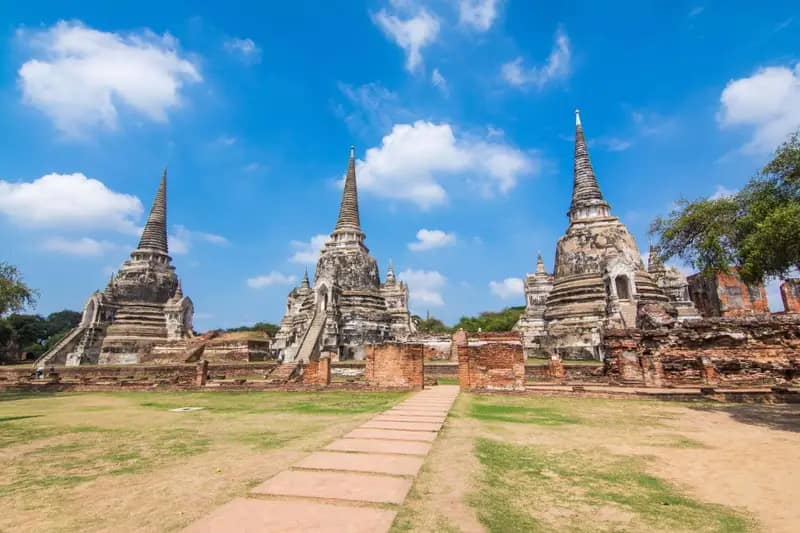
{"x":458,"y":339}
{"x":710,"y":375}
{"x":463,"y":367}
{"x":318,"y":372}
{"x":652,"y":371}
{"x":790,"y":294}
{"x":555,"y":368}
{"x":201,"y":373}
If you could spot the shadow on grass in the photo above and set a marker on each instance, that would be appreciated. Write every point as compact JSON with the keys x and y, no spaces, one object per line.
{"x":783,"y":417}
{"x":21,"y":417}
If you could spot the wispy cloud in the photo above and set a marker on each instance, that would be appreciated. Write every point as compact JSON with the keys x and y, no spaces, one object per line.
{"x":268,"y":280}
{"x":307,"y":252}
{"x":428,"y":239}
{"x":245,"y":49}
{"x":508,"y":288}
{"x":411,"y":33}
{"x":557,"y":67}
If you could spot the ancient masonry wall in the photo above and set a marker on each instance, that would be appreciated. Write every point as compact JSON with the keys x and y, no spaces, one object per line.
{"x":726,"y":295}
{"x":318,"y":372}
{"x":790,"y":294}
{"x":491,"y":366}
{"x":395,"y":365}
{"x":725,"y":352}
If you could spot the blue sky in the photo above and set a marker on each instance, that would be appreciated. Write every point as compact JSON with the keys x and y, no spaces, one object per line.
{"x":461,"y":112}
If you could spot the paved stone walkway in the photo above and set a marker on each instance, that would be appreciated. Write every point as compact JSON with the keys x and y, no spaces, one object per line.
{"x":353,"y":485}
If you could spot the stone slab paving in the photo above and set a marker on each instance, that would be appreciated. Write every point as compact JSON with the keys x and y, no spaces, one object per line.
{"x":379,"y":463}
{"x":338,"y":488}
{"x":337,"y":485}
{"x":407,"y":426}
{"x":392,"y":434}
{"x":380,"y":446}
{"x":246,"y":515}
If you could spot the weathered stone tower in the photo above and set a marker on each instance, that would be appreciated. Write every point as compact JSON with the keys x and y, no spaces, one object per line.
{"x":600,"y":280}
{"x":143,"y":304}
{"x":347,"y":307}
{"x":531,"y":324}
{"x":674,"y":285}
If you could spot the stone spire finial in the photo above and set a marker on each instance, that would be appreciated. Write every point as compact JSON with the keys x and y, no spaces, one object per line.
{"x":587,"y":200}
{"x":390,"y":273}
{"x":348,"y":209}
{"x":540,"y":264}
{"x":154,"y":235}
{"x":305,"y":283}
{"x":178,"y":291}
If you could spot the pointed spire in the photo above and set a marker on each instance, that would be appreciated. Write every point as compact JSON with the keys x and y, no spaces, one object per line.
{"x":587,"y":200}
{"x":178,"y":291}
{"x":348,"y":210}
{"x":154,"y":235}
{"x":390,"y":273}
{"x":540,"y":264}
{"x":305,"y":283}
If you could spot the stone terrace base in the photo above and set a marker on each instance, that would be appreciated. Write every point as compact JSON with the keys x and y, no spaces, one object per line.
{"x":353,"y":485}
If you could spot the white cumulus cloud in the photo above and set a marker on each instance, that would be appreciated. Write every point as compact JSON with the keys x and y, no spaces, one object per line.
{"x":427,"y":239}
{"x":245,"y":49}
{"x":411,"y":34}
{"x":424,"y":286}
{"x":267,"y":280}
{"x":478,"y":14}
{"x":69,"y":200}
{"x":307,"y":252}
{"x":557,"y":67}
{"x":508,"y":288}
{"x":412,"y":159}
{"x":768,"y":101}
{"x":84,"y":246}
{"x":80,"y":75}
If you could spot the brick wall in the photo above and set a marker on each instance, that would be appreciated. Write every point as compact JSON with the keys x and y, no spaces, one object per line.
{"x":726,"y":352}
{"x":491,"y":366}
{"x":395,"y":365}
{"x":726,"y":295}
{"x":790,"y":294}
{"x":318,"y":372}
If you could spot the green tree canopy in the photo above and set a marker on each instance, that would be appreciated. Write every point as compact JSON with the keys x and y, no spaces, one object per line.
{"x":430,"y":325}
{"x":15,"y":295}
{"x":491,"y":320}
{"x":757,"y":228}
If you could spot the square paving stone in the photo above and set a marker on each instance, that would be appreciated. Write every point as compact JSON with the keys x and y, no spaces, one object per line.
{"x":399,"y":465}
{"x":410,"y":418}
{"x":380,"y":446}
{"x":391,"y":434}
{"x":337,"y":485}
{"x":247,"y":515}
{"x":406,"y":426}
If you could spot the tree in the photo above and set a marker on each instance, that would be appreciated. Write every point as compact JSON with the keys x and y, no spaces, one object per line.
{"x":15,"y":295}
{"x":757,"y":228}
{"x":491,"y":320}
{"x":430,"y":325}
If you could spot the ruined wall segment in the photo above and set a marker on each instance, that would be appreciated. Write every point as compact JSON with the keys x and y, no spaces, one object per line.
{"x":726,"y":295}
{"x":395,"y":365}
{"x":790,"y":294}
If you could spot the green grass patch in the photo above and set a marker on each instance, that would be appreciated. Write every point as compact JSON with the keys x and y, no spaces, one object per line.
{"x":519,"y":414}
{"x":447,"y":381}
{"x":526,"y":488}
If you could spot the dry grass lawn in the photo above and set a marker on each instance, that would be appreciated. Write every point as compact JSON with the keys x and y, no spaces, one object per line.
{"x":511,"y":463}
{"x":124,"y":462}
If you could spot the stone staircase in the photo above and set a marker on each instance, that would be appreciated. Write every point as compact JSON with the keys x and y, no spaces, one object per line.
{"x":285,"y":373}
{"x":57,"y":355}
{"x":311,"y":338}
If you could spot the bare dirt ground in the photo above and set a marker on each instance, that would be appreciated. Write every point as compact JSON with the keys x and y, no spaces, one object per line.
{"x":124,"y":462}
{"x":733,"y":467}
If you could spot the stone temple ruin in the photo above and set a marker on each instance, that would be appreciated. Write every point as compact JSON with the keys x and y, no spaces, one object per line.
{"x":600,"y":281}
{"x":141,"y":307}
{"x":347,"y":307}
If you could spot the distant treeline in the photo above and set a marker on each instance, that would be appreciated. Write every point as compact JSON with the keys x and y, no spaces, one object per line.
{"x":487,"y":321}
{"x":29,"y":336}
